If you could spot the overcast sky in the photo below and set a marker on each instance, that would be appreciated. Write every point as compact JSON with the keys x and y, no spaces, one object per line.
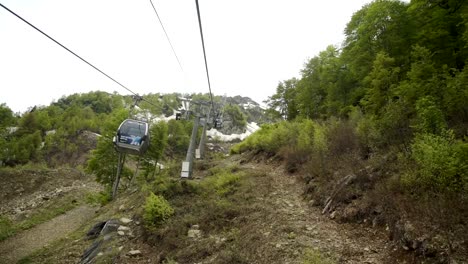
{"x":251,"y":45}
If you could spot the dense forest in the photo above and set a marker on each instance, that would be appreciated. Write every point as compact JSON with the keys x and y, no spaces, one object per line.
{"x":388,"y":111}
{"x":56,"y":135}
{"x":400,"y":81}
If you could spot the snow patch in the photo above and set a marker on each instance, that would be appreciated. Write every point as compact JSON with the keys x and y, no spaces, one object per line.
{"x":251,"y":128}
{"x":162,"y":118}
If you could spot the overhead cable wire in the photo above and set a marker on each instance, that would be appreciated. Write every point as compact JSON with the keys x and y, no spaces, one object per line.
{"x":186,"y":77}
{"x":167,"y":36}
{"x":204,"y":53}
{"x":67,"y":49}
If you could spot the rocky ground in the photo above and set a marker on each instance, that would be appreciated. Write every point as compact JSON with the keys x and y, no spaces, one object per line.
{"x":42,"y":205}
{"x":25,"y":243}
{"x":271,"y":223}
{"x":25,"y":190}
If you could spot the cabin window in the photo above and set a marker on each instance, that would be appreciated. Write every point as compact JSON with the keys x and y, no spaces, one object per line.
{"x":132,"y":133}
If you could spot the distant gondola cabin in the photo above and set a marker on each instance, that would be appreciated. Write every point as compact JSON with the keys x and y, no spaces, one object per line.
{"x":218,"y":124}
{"x":132,"y":137}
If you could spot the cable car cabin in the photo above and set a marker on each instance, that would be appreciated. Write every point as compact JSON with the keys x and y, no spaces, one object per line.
{"x":132,"y":137}
{"x":218,"y":124}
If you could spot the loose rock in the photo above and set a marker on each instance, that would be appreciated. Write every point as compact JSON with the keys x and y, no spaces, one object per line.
{"x":134,"y":253}
{"x":194,"y":233}
{"x":125,"y":221}
{"x":123,"y":228}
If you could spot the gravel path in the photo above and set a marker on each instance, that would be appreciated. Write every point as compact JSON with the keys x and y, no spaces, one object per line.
{"x":309,"y":229}
{"x":25,"y":243}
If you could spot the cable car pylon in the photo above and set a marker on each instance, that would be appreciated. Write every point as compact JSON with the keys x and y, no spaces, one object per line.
{"x":187,"y":164}
{"x":200,"y":151}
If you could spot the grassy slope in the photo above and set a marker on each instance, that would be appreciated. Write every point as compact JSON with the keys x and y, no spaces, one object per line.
{"x":246,"y":213}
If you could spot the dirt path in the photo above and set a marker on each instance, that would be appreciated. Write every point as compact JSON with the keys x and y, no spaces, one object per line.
{"x":25,"y":243}
{"x":309,"y":230}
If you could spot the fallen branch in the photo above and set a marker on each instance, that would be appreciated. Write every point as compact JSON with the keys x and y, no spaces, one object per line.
{"x":340,"y":186}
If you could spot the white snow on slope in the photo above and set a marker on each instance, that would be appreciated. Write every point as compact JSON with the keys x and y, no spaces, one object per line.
{"x":251,"y":128}
{"x":162,"y":118}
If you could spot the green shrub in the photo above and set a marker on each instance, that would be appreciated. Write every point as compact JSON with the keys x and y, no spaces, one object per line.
{"x":305,"y":138}
{"x":227,"y":184}
{"x":156,"y":210}
{"x":223,"y":183}
{"x":440,"y":163}
{"x":272,"y":137}
{"x":320,"y":138}
{"x":430,"y":118}
{"x":368,"y":133}
{"x":260,"y":140}
{"x":394,"y":125}
{"x":167,"y":183}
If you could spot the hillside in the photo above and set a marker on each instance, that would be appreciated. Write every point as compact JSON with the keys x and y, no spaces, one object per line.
{"x":243,"y":209}
{"x":361,"y":159}
{"x":49,"y":185}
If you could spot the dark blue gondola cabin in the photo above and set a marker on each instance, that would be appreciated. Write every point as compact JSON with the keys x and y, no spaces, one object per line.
{"x":218,"y":124}
{"x":132,"y":137}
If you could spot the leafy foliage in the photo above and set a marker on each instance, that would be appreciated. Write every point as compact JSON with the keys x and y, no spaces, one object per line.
{"x":52,"y":133}
{"x":178,"y":136}
{"x":400,"y":77}
{"x":284,"y":100}
{"x":394,"y":54}
{"x":157,"y":210}
{"x":441,"y":163}
{"x":239,"y":119}
{"x":6,"y":116}
{"x":159,"y":137}
{"x":272,"y":137}
{"x":103,"y":161}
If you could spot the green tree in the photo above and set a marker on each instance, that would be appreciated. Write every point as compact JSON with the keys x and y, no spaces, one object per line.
{"x":454,"y":100}
{"x":283,"y":100}
{"x":430,"y":118}
{"x":179,"y":132}
{"x":310,"y":94}
{"x":421,"y":78}
{"x":103,"y":160}
{"x":28,"y":124}
{"x":325,"y":87}
{"x":25,"y":148}
{"x":380,"y":84}
{"x":442,"y":29}
{"x":159,"y":139}
{"x":238,"y":118}
{"x":100,"y":102}
{"x":6,"y":120}
{"x":381,"y":26}
{"x":6,"y":116}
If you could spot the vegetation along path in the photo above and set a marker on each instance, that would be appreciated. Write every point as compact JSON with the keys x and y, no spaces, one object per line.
{"x":23,"y":244}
